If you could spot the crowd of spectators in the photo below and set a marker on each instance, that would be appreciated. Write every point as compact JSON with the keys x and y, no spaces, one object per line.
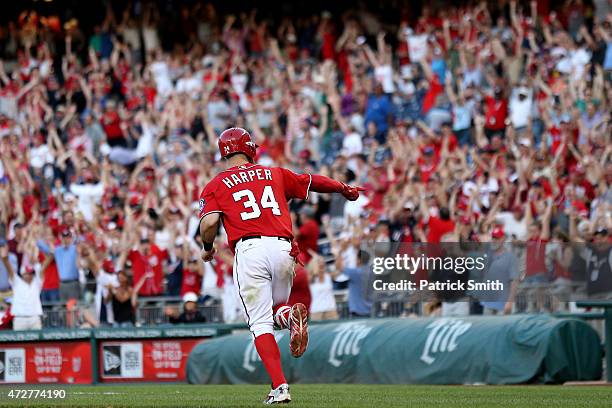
{"x":462,"y":122}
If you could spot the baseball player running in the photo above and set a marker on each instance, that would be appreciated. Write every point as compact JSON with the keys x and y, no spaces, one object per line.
{"x":251,"y":201}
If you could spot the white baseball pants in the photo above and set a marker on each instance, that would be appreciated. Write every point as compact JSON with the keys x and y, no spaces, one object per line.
{"x":263,"y":275}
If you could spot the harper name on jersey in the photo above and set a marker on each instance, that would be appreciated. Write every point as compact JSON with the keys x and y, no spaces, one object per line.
{"x":246,"y":176}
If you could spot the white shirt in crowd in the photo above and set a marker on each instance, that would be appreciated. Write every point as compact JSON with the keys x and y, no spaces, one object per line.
{"x":89,"y":195}
{"x":163,"y":238}
{"x":161,"y":74}
{"x":571,"y":62}
{"x":218,"y":111}
{"x":102,"y":281}
{"x":355,"y":208}
{"x":39,"y":156}
{"x":352,"y":144}
{"x":322,"y":293}
{"x":151,"y":39}
{"x":190,"y":85}
{"x":349,"y":257}
{"x":471,"y":77}
{"x":491,"y":185}
{"x":146,"y":141}
{"x":520,"y":111}
{"x":132,"y":37}
{"x":209,"y":281}
{"x":239,"y":83}
{"x":384,"y":76}
{"x":513,"y":228}
{"x":265,"y":115}
{"x":232,"y":306}
{"x":26,"y":297}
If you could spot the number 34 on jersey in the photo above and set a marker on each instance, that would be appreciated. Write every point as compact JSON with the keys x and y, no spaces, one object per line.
{"x":267,"y":200}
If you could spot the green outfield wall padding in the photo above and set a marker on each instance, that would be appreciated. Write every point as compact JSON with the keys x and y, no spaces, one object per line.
{"x":468,"y":350}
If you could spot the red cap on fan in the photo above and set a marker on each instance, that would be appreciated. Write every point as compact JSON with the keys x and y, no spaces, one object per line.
{"x":305,"y":154}
{"x":108,"y":266}
{"x":135,"y":200}
{"x":65,"y":231}
{"x":498,"y":232}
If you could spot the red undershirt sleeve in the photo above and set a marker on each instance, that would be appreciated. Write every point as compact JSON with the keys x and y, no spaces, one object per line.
{"x":322,"y":184}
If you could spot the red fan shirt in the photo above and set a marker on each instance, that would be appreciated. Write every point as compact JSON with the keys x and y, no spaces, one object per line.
{"x":192,"y":281}
{"x":145,"y":263}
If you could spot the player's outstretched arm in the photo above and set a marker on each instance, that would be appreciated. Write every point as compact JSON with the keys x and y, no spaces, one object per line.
{"x":322,"y":184}
{"x":209,"y":226}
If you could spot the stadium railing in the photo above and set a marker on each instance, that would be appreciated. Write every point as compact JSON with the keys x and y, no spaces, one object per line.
{"x":147,"y":314}
{"x":152,"y":311}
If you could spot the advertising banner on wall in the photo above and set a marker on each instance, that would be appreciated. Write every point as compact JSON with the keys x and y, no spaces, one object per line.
{"x":46,"y":362}
{"x":144,"y":360}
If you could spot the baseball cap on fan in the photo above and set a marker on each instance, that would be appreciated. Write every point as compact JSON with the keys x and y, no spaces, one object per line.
{"x":498,"y":232}
{"x":27,"y":269}
{"x":190,"y":297}
{"x":208,"y":61}
{"x":108,"y":266}
{"x":565,"y":118}
{"x":69,"y":198}
{"x":308,"y":211}
{"x":409,"y":205}
{"x":135,"y":201}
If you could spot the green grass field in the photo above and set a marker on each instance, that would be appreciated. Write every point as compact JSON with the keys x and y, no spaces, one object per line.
{"x":321,"y":395}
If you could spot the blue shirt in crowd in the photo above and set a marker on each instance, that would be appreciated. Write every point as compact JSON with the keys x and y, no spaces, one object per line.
{"x":65,"y":259}
{"x":462,"y":117}
{"x":410,"y":108}
{"x":438,"y":66}
{"x":4,"y":281}
{"x":502,"y":267}
{"x":378,"y":110}
{"x":357,"y":302}
{"x":608,"y":59}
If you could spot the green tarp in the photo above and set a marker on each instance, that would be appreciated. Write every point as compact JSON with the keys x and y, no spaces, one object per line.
{"x":490,"y":350}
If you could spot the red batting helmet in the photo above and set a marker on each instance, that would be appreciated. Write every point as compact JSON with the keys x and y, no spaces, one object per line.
{"x":236,"y":140}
